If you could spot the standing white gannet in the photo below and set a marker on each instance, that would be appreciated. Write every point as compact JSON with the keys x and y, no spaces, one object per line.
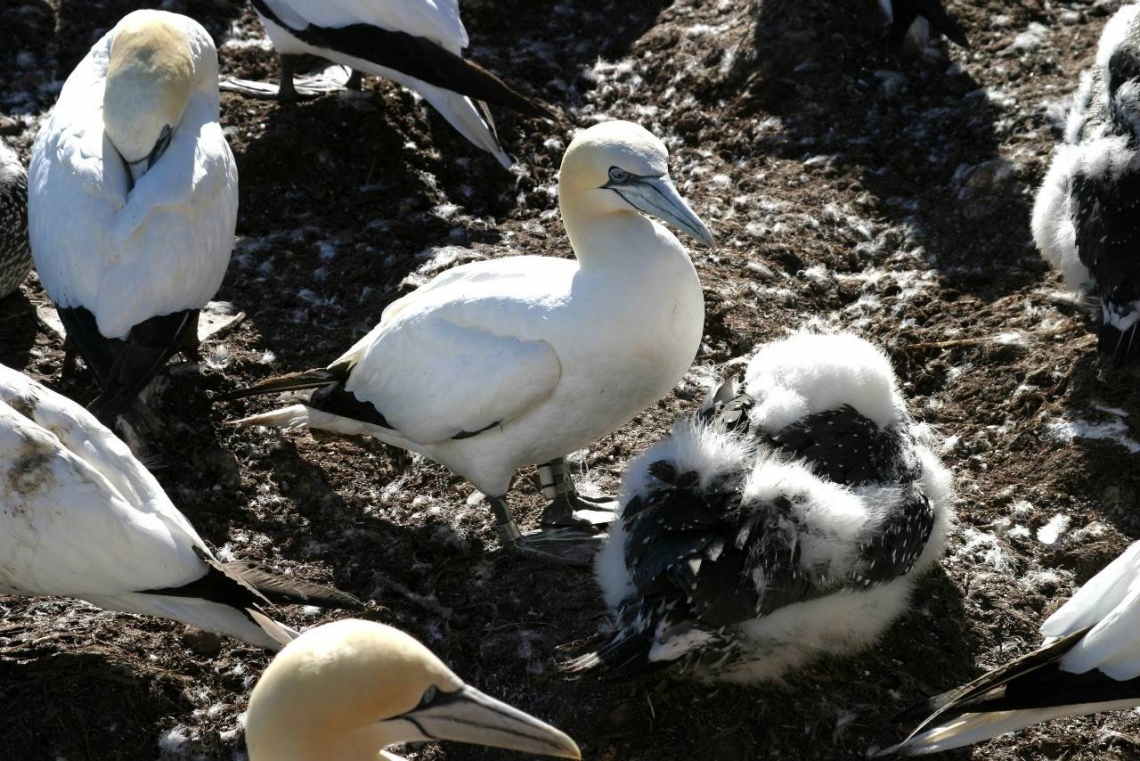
{"x":776,"y":526}
{"x":81,"y":517}
{"x":916,"y":18}
{"x":1090,"y":663}
{"x":499,"y":364}
{"x":15,"y":256}
{"x":348,"y":689}
{"x":1086,"y":218}
{"x":415,"y":43}
{"x":133,"y":200}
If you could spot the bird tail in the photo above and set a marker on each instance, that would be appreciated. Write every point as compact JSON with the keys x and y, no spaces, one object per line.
{"x":904,"y":12}
{"x":626,"y":653}
{"x":469,"y":118}
{"x":1023,"y":692}
{"x":288,"y":382}
{"x":124,"y":368}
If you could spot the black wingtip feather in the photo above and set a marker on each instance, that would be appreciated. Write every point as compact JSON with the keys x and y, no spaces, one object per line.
{"x":299,"y":381}
{"x":283,"y":590}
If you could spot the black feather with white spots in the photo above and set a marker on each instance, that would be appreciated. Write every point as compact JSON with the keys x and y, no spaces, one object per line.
{"x":704,"y":560}
{"x":15,"y":253}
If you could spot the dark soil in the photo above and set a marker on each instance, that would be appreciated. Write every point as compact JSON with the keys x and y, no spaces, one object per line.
{"x":846,"y":188}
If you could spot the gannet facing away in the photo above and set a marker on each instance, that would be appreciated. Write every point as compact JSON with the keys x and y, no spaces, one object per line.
{"x":915,"y":19}
{"x":348,"y":689}
{"x":15,"y":256}
{"x":499,"y":364}
{"x":1086,"y":217}
{"x":81,"y":517}
{"x":776,"y":526}
{"x":415,"y":43}
{"x":1090,"y":663}
{"x":133,"y":200}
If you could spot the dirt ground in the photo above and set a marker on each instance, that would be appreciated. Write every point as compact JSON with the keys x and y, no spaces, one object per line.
{"x":847,"y":189}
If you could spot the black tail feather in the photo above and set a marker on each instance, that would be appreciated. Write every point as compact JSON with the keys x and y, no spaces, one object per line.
{"x":906,"y":11}
{"x":124,"y":368}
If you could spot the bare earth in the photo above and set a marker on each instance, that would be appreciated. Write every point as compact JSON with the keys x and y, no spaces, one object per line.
{"x":846,"y":189}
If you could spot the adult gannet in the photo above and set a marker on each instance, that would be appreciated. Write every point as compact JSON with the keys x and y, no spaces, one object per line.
{"x":499,"y":364}
{"x":81,"y":517}
{"x":776,"y":526}
{"x":916,"y":18}
{"x":1086,"y":218}
{"x":15,"y":256}
{"x":348,"y":689}
{"x":133,"y":200}
{"x":1090,"y":663}
{"x":415,"y":43}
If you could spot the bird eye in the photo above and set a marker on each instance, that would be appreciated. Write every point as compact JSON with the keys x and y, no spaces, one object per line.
{"x":429,"y":695}
{"x":618,"y":175}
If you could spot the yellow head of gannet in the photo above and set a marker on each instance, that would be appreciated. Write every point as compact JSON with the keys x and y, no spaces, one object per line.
{"x":621,"y":167}
{"x":347,"y":689}
{"x":149,"y":81}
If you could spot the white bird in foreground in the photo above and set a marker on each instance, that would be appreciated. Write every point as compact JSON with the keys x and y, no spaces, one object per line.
{"x":499,"y":364}
{"x":15,"y":256}
{"x":1086,"y":218}
{"x":348,"y":689}
{"x":415,"y":43}
{"x":776,"y":526}
{"x":81,"y":517}
{"x":133,"y":200}
{"x":1090,"y":663}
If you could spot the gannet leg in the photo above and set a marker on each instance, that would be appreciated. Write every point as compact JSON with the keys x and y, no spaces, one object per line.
{"x":356,"y":81}
{"x":567,"y":507}
{"x":286,"y":92}
{"x":571,"y":545}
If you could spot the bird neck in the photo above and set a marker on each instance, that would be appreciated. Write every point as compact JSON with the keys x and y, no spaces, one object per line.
{"x":308,"y":743}
{"x":614,"y":239}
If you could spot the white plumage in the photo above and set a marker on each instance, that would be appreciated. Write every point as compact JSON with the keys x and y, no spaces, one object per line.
{"x":1090,"y":663}
{"x":776,"y":526}
{"x":81,"y":517}
{"x":15,"y":256}
{"x":1086,"y":216}
{"x":134,"y":196}
{"x":500,"y":364}
{"x":415,"y":43}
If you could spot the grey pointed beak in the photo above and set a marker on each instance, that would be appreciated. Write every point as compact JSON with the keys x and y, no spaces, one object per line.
{"x":657,"y":197}
{"x":469,"y":716}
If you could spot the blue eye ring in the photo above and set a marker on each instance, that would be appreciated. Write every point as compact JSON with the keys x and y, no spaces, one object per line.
{"x":429,"y":695}
{"x":619,"y":176}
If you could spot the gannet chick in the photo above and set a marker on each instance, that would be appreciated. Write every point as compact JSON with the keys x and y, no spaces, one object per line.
{"x":415,"y":43}
{"x":15,"y":256}
{"x":81,"y":517}
{"x":348,"y":689}
{"x":1086,"y":217}
{"x":499,"y":364}
{"x":133,"y":200}
{"x":776,"y":526}
{"x":914,"y":19}
{"x":1090,"y":663}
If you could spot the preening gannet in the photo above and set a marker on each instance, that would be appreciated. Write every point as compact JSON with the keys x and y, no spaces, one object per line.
{"x":1086,"y":218}
{"x":15,"y":256}
{"x":133,"y":200}
{"x":775,"y":526}
{"x":81,"y":517}
{"x":499,"y":364}
{"x":916,"y":18}
{"x":348,"y":689}
{"x":1090,"y":663}
{"x":415,"y":43}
